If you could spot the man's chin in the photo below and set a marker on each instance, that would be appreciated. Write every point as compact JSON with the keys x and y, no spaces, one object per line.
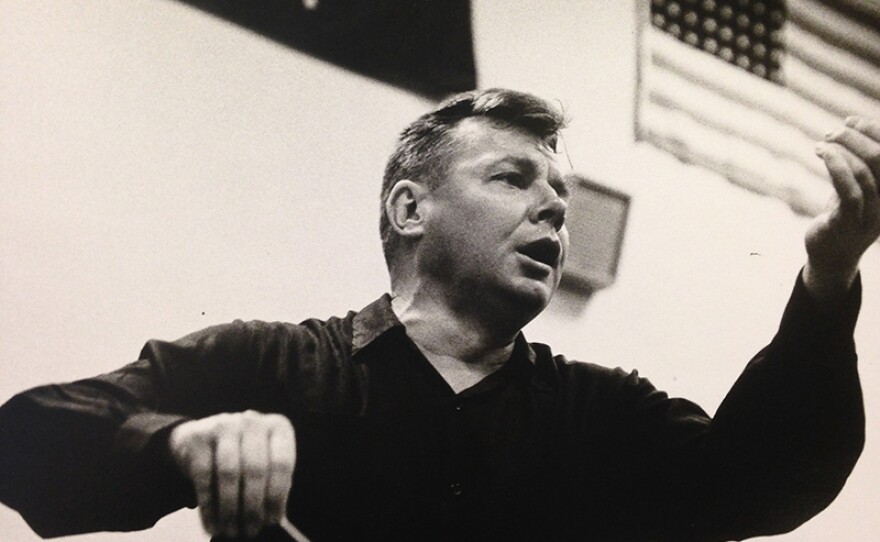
{"x":518,"y":299}
{"x":531,"y":296}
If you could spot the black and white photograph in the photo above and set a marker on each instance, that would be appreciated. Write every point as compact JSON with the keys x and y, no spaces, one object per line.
{"x":439,"y":270}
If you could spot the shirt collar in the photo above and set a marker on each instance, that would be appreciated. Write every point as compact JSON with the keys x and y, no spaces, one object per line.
{"x":378,"y":317}
{"x":371,"y":322}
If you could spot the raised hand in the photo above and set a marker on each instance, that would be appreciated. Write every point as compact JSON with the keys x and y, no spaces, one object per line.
{"x":836,"y":240}
{"x":241,"y":465}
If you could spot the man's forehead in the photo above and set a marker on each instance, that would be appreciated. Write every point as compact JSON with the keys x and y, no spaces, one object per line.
{"x":496,"y":140}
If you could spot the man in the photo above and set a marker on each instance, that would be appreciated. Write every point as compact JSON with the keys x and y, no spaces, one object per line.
{"x":428,"y":416}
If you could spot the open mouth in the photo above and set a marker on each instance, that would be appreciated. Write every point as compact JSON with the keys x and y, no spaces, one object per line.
{"x":545,"y":251}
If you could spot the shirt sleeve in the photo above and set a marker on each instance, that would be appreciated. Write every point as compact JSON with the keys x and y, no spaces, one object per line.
{"x":782,"y":443}
{"x":790,"y":431}
{"x":91,"y":455}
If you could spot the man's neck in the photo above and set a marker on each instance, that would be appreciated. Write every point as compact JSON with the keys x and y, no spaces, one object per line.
{"x":460,"y":375}
{"x":441,"y":329}
{"x":460,"y":348}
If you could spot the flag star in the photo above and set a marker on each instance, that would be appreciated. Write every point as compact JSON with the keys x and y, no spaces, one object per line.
{"x":777,"y":17}
{"x":710,"y":45}
{"x":759,"y":50}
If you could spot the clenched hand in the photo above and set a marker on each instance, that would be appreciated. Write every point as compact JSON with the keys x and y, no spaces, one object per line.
{"x":241,"y":466}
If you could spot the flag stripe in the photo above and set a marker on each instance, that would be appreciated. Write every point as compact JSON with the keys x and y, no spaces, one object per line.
{"x":867,"y":11}
{"x":735,"y":118}
{"x":736,"y":84}
{"x":838,"y":63}
{"x":698,"y":144}
{"x":826,"y":91}
{"x":836,"y":29}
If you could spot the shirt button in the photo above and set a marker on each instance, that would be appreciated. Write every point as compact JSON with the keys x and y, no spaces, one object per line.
{"x":458,"y":408}
{"x":455,"y":489}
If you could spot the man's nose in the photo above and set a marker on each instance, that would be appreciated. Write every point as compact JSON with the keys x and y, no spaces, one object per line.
{"x":551,"y":208}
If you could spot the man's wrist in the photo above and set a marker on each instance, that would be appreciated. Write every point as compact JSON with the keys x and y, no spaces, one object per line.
{"x":828,"y":286}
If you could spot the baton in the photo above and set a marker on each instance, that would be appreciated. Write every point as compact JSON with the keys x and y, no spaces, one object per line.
{"x":295,"y":534}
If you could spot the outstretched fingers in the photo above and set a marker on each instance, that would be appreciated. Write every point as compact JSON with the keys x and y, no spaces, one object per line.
{"x":859,"y":141}
{"x":868,"y":127}
{"x":847,"y":187}
{"x":837,"y":240}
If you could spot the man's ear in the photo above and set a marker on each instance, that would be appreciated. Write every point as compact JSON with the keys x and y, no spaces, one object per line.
{"x":404,"y":208}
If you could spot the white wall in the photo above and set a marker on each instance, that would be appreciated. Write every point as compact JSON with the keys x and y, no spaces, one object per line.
{"x":162,"y":170}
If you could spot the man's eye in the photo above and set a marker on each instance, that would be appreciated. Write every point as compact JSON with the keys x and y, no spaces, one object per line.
{"x":511,"y":178}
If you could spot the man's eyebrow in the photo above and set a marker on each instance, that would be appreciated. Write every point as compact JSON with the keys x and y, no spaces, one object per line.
{"x":560,"y":183}
{"x":522,"y":162}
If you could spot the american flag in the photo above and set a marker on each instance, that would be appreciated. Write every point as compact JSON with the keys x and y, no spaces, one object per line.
{"x":746,"y":87}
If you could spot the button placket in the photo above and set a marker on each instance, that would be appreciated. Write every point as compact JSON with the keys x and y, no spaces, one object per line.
{"x":455,"y":489}
{"x":456,"y":458}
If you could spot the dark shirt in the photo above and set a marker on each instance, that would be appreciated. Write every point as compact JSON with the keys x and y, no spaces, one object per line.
{"x":542,"y":449}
